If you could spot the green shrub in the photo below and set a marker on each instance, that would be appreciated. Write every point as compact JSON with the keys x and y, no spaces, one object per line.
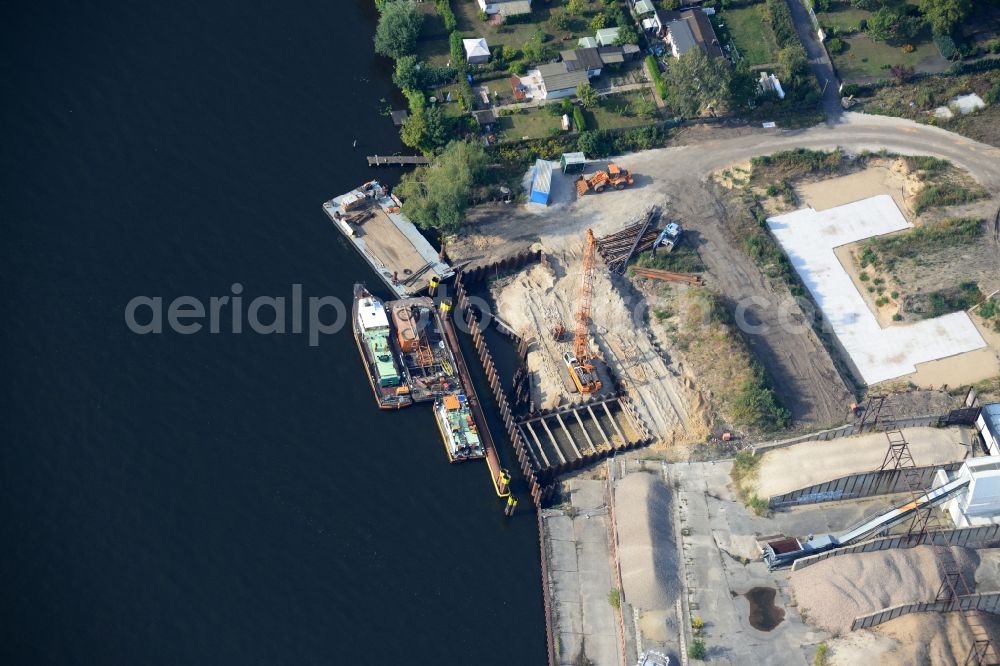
{"x":992,"y":95}
{"x":946,"y":46}
{"x":926,"y":166}
{"x":988,"y":309}
{"x":756,"y":403}
{"x":836,"y":46}
{"x":820,"y":658}
{"x":945,"y":194}
{"x":683,"y":259}
{"x":914,"y":243}
{"x":579,"y":120}
{"x":864,"y":277}
{"x":868,"y":257}
{"x":944,"y":301}
{"x":615,"y":598}
{"x":745,"y":465}
{"x":697,"y":650}
{"x":897,"y":317}
{"x":803,"y":160}
{"x":758,"y":505}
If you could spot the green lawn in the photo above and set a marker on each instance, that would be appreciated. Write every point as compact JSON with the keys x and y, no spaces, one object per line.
{"x":531,"y":123}
{"x":538,"y":123}
{"x":753,"y":38}
{"x":865,"y":58}
{"x":845,"y":18}
{"x":435,"y":51}
{"x":452,"y":108}
{"x":613,"y":112}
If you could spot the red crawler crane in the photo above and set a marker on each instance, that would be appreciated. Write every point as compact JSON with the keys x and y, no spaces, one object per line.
{"x":580,"y":369}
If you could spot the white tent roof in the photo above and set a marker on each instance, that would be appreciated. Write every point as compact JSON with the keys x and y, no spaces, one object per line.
{"x":476,"y":47}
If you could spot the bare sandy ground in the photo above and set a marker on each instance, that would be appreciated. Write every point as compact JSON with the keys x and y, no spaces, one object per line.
{"x":801,"y":465}
{"x":534,"y":301}
{"x":887,"y":177}
{"x":678,"y":177}
{"x":919,"y":639}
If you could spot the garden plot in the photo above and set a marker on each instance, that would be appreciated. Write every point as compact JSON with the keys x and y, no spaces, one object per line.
{"x":809,"y":237}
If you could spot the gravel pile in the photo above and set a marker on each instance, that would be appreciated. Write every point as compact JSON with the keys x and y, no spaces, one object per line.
{"x":839,"y":589}
{"x":647,"y":551}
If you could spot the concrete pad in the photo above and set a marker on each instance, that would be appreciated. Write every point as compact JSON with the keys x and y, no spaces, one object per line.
{"x":570,"y":617}
{"x":587,"y":494}
{"x":580,"y":577}
{"x":879,"y":354}
{"x":591,"y":530}
{"x":559,"y":528}
{"x":716,"y":583}
{"x":562,"y":558}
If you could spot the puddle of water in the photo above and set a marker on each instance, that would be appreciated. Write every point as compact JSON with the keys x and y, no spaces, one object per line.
{"x":764,"y":615}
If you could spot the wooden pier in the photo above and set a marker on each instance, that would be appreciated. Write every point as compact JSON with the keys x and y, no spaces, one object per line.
{"x":396,"y":160}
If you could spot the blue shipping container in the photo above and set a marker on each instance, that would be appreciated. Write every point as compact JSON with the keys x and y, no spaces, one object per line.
{"x":541,"y":182}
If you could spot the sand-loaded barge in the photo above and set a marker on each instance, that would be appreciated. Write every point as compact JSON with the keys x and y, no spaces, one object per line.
{"x":370,"y":218}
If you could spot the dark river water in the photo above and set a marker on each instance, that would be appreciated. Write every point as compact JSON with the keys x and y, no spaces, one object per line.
{"x":217,"y":498}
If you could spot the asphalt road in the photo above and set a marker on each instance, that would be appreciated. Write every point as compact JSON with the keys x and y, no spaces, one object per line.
{"x":852,"y":131}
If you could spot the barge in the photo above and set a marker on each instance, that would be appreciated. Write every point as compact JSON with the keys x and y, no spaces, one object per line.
{"x":427,"y":361}
{"x":373,"y":336}
{"x":458,"y":428}
{"x":369,"y":217}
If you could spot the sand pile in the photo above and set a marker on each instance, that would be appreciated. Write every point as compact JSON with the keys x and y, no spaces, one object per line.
{"x":839,"y":589}
{"x":808,"y":463}
{"x":647,"y":552}
{"x":940,"y":639}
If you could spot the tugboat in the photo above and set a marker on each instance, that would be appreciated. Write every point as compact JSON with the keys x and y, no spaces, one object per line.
{"x":373,"y":336}
{"x":458,"y":429}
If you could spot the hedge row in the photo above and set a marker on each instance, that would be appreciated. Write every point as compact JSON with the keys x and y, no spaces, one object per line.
{"x":780,"y":18}
{"x":654,"y":71}
{"x":457,"y":52}
{"x":443,"y":8}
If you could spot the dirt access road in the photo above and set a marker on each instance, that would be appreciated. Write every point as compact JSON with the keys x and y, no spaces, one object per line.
{"x":678,"y":176}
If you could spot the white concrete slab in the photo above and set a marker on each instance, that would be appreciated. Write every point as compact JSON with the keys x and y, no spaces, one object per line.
{"x":879,"y":354}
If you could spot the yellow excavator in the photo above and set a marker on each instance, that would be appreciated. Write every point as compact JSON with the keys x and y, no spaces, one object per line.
{"x":579,"y":360}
